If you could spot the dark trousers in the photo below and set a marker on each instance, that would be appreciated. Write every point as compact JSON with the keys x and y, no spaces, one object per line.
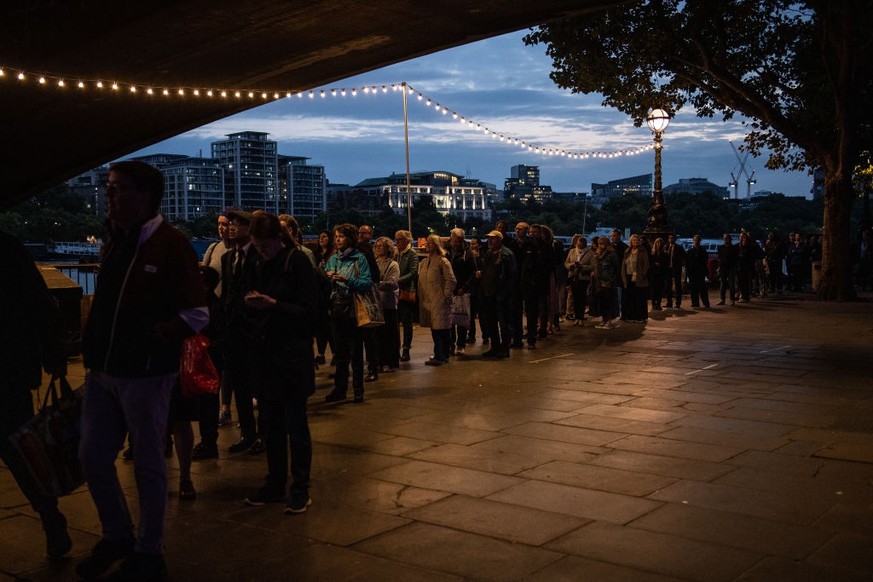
{"x":496,"y":322}
{"x":607,"y":300}
{"x":208,"y":404}
{"x":406,"y":312}
{"x":728,"y":283}
{"x":371,"y":348}
{"x":18,"y":409}
{"x":239,"y":383}
{"x":535,"y":303}
{"x":580,"y":297}
{"x":323,"y":337}
{"x":775,"y":268}
{"x":389,"y":340}
{"x":657,"y":290}
{"x":474,"y":313}
{"x":287,"y":426}
{"x":674,"y":288}
{"x":442,"y":339}
{"x":698,"y":291}
{"x":744,"y":278}
{"x":517,"y":318}
{"x":349,"y":346}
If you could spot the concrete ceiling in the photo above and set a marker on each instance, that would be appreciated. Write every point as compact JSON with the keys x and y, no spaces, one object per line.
{"x":50,"y":134}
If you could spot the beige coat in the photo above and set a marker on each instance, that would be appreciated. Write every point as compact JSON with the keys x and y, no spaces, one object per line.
{"x":435,"y":284}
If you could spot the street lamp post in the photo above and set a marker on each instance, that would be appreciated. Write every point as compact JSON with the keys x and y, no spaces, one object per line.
{"x":658,"y":226}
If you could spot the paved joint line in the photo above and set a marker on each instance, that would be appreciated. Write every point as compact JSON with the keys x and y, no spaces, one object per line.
{"x":775,"y":349}
{"x":552,"y":358}
{"x":709,"y":367}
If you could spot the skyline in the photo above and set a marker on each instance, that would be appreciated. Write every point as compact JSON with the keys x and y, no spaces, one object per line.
{"x":503,"y":85}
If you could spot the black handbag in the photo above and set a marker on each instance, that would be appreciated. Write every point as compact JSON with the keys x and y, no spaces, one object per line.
{"x":48,"y":443}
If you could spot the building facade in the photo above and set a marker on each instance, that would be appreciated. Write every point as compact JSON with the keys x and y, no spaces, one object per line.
{"x":451,"y":194}
{"x":193,"y":187}
{"x":302,"y":187}
{"x":524,"y":182}
{"x":251,"y":173}
{"x":697,"y":186}
{"x":633,"y":186}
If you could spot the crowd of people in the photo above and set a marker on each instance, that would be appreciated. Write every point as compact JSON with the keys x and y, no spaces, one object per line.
{"x":276,"y":310}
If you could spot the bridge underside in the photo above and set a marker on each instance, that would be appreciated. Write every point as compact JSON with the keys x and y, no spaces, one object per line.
{"x":51,"y":133}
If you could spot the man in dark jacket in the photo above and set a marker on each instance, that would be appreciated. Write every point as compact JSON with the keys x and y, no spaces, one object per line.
{"x":496,"y":289}
{"x":675,"y":264}
{"x":31,"y":340}
{"x":148,"y":298}
{"x":696,"y":268}
{"x":728,"y":262}
{"x":238,"y":267}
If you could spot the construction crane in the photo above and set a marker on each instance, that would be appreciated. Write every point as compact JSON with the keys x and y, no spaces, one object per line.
{"x":735,"y":180}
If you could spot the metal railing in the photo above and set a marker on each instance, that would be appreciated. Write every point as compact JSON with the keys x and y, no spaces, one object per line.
{"x":83,"y":274}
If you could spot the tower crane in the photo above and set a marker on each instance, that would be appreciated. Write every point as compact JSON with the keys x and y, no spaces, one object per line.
{"x":750,"y":178}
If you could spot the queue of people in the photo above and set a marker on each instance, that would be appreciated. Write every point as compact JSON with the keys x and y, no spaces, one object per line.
{"x":274,"y":309}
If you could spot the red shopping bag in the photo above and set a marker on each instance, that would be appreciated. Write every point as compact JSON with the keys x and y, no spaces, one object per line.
{"x":197,"y":373}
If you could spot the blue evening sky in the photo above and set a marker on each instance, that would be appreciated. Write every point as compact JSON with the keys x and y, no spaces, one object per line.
{"x":504,"y":85}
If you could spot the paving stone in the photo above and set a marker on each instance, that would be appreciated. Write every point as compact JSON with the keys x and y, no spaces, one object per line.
{"x":464,"y":554}
{"x":373,"y":494}
{"x":576,"y":501}
{"x":586,"y":397}
{"x":611,"y":424}
{"x":658,"y":465}
{"x":850,"y":551}
{"x":512,"y":523}
{"x":437,"y":432}
{"x":735,"y":530}
{"x":566,"y":434}
{"x":655,"y":552}
{"x":446,"y":478}
{"x":602,"y":478}
{"x":848,"y":451}
{"x":325,"y":520}
{"x":541,"y":450}
{"x":681,"y":395}
{"x":629,"y":412}
{"x":778,"y":569}
{"x":730,"y":439}
{"x":574,"y":568}
{"x":672,"y":448}
{"x":336,"y":459}
{"x":478,"y":458}
{"x":779,"y":417}
{"x":767,"y":505}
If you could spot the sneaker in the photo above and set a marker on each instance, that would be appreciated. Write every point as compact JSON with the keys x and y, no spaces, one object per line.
{"x":202,"y":452}
{"x":601,"y":326}
{"x":404,"y":356}
{"x":320,"y":359}
{"x":186,"y":490}
{"x":103,"y":556}
{"x":240,"y":445}
{"x":263,"y":496}
{"x":139,"y":567}
{"x":461,"y":350}
{"x":224,"y":418}
{"x":57,"y":539}
{"x":435,"y":362}
{"x":257,"y":447}
{"x":298,"y":504}
{"x":335,"y":397}
{"x":722,"y":302}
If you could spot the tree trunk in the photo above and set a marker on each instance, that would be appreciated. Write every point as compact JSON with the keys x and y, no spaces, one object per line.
{"x":836,"y":265}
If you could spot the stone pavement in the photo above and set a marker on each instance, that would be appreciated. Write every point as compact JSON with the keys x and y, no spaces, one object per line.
{"x":727,"y":444}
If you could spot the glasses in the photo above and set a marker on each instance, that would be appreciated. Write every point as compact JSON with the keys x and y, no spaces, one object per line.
{"x":113,"y":188}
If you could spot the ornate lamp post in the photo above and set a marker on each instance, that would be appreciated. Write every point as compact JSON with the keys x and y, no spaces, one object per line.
{"x":658,"y":120}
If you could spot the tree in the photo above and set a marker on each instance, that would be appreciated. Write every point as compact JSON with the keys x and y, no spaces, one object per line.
{"x":800,"y":71}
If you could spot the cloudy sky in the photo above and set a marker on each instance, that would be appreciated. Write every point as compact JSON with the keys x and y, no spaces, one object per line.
{"x":503,"y":85}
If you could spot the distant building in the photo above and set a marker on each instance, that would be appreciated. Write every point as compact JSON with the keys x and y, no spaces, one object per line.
{"x":697,"y":186}
{"x":451,"y":194}
{"x":302,"y":187}
{"x":194,"y":187}
{"x":367,"y":201}
{"x":524,"y":182}
{"x":251,"y":170}
{"x":634,"y":186}
{"x":91,"y":187}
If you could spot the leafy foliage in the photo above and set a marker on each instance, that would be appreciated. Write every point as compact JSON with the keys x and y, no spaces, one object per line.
{"x":799,"y":71}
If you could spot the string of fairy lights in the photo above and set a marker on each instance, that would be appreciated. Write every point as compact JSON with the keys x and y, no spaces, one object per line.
{"x":62,"y":83}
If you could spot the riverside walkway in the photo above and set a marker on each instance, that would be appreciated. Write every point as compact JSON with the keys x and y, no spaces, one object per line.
{"x":734,"y":443}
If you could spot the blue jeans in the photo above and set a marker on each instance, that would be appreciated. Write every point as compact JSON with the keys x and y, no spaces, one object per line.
{"x":112,"y":407}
